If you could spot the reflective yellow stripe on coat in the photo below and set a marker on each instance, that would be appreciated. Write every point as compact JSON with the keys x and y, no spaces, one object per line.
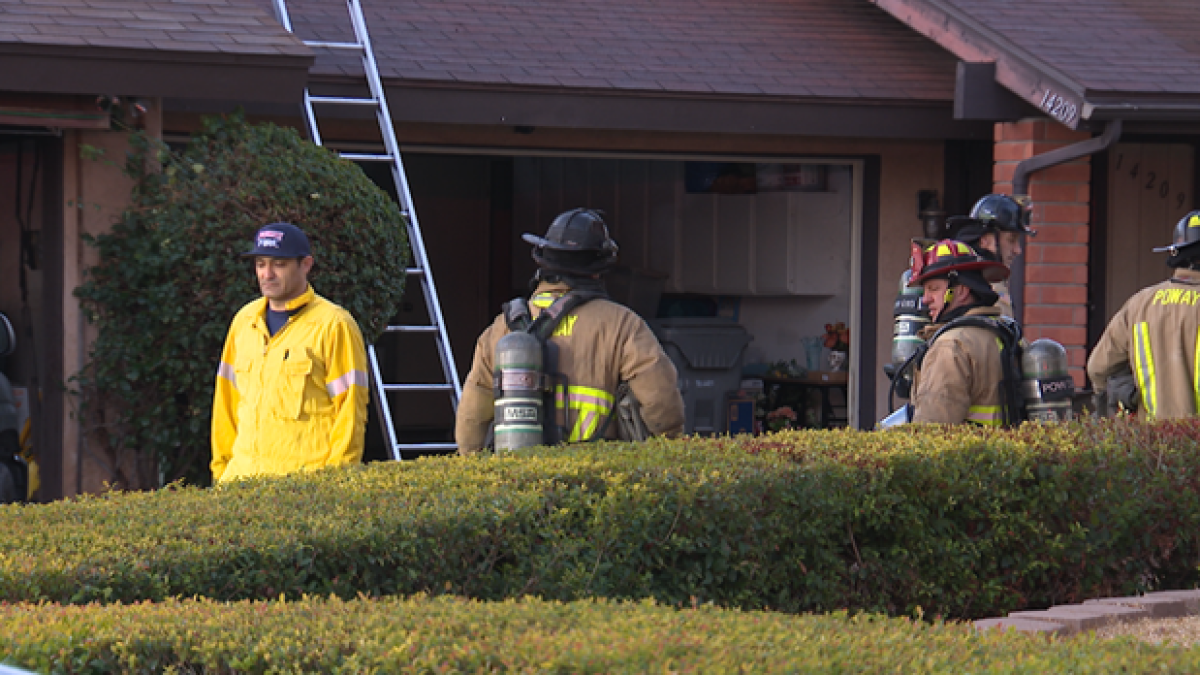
{"x":985,"y":415}
{"x":1144,"y":367}
{"x":1196,"y":374}
{"x":591,"y":407}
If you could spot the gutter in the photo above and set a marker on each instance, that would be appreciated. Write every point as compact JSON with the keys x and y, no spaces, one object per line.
{"x":1142,"y":110}
{"x":1020,"y":189}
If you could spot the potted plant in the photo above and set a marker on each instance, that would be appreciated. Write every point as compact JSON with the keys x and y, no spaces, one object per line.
{"x":837,"y":341}
{"x":781,"y":418}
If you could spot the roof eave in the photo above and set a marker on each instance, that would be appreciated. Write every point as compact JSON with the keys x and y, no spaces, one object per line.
{"x":480,"y":105}
{"x":66,"y":69}
{"x":678,"y":111}
{"x":1036,"y":82}
{"x":1142,"y":110}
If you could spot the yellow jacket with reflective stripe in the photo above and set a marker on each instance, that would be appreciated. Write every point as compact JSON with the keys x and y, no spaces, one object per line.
{"x":600,"y":344}
{"x":294,"y":401}
{"x":1156,"y":335}
{"x":959,"y":378}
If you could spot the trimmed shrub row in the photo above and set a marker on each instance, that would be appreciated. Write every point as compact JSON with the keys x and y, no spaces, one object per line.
{"x":959,"y":522}
{"x":422,"y":635}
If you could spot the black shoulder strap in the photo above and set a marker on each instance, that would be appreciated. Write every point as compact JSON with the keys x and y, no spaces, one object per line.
{"x":543,"y":326}
{"x":1005,"y":327}
{"x":516,"y":315}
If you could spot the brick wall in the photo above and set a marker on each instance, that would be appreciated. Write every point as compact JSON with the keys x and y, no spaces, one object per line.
{"x":1056,"y":259}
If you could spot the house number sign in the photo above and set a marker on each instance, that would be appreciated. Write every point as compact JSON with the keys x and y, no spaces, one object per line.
{"x":1059,"y":108}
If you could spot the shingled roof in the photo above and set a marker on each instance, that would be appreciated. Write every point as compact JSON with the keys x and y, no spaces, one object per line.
{"x":1076,"y":59}
{"x":843,"y":49}
{"x":221,"y":48}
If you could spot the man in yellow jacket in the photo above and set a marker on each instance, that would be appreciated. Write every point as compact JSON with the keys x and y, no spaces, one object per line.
{"x":598,"y":345}
{"x":1157,"y":335}
{"x":959,"y":378}
{"x":292,"y":385}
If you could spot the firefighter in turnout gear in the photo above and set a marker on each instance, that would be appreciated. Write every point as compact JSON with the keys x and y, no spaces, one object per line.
{"x":960,"y":377}
{"x":1156,"y":334}
{"x":995,"y":229}
{"x":595,"y":347}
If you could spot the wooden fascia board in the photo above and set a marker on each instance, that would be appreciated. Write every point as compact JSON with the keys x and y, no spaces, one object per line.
{"x":680,"y":113}
{"x":635,"y":111}
{"x":91,"y":70}
{"x":1035,"y":81}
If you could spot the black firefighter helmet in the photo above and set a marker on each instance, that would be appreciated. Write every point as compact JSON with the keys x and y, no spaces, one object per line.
{"x":992,"y":213}
{"x":577,"y":243}
{"x":1183,"y":248}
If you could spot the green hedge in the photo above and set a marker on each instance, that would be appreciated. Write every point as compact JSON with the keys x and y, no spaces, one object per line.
{"x":958,"y":522}
{"x":422,"y":635}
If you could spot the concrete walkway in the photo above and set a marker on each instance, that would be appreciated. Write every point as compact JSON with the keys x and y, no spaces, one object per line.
{"x":1093,"y":614}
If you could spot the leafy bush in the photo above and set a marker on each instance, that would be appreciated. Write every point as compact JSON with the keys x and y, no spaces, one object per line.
{"x":960,"y":522}
{"x":422,"y":635}
{"x":170,"y":278}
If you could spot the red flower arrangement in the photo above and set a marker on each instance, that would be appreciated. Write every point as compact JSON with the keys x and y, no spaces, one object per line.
{"x":781,"y":418}
{"x":837,"y":337}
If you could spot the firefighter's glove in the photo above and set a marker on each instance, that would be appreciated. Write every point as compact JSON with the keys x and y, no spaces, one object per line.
{"x":1100,"y":404}
{"x":1123,"y":393}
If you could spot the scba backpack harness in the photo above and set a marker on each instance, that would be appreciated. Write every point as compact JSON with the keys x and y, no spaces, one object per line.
{"x":526,"y":382}
{"x":1008,"y":337}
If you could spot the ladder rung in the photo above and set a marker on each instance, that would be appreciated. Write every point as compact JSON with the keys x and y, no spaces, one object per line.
{"x":387,"y":152}
{"x":426,"y":446}
{"x":343,"y":100}
{"x":359,"y":157}
{"x":333,"y":45}
{"x":410,"y":329}
{"x":418,"y":387}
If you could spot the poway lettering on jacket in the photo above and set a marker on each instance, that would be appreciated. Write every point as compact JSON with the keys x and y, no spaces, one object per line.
{"x":1175,"y":296}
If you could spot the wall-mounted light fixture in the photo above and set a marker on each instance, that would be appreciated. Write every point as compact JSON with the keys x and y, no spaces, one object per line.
{"x":931,"y":214}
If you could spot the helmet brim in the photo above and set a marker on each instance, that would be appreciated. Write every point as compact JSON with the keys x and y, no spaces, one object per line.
{"x":1176,"y":248}
{"x":962,"y":220}
{"x":970,"y":230}
{"x":536,"y":240}
{"x":542,"y":242}
{"x":991,"y":270}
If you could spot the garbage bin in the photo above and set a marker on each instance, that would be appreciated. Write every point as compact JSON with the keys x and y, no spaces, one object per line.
{"x":707,"y":352}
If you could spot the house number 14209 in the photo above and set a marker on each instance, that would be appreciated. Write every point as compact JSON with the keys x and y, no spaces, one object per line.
{"x":1058,"y":107}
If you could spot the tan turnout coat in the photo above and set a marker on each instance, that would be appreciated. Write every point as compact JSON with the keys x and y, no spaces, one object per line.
{"x":1156,"y":335}
{"x":959,"y":378}
{"x":600,"y":344}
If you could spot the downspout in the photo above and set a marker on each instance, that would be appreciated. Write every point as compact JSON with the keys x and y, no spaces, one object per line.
{"x":1020,"y":188}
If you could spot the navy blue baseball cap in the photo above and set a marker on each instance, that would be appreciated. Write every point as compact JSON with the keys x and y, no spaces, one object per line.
{"x":280,"y":240}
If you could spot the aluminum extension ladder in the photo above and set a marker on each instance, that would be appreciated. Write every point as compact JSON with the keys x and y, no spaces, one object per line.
{"x":437,"y":325}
